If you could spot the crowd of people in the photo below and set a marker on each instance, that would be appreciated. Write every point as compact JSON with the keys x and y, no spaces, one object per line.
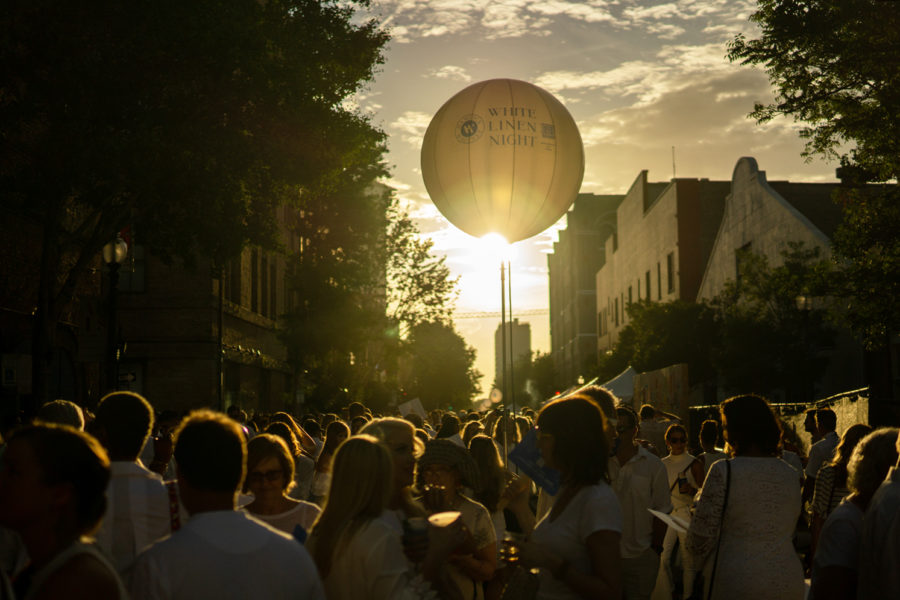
{"x":124,"y":502}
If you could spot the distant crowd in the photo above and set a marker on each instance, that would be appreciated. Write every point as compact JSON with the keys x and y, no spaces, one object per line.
{"x":585,"y":498}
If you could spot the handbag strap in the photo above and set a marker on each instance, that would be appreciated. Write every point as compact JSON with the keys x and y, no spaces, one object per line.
{"x":712,"y":576}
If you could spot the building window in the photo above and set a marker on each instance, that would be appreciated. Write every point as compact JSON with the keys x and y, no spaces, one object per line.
{"x":740,"y":260}
{"x":133,"y":272}
{"x":617,"y":312}
{"x":630,"y":299}
{"x":264,"y":285}
{"x":254,"y":280}
{"x":639,"y":290}
{"x":647,"y":281}
{"x":273,"y":289}
{"x":658,"y":282}
{"x":233,"y":281}
{"x":670,"y":270}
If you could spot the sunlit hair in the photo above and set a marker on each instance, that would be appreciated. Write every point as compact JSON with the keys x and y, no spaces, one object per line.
{"x":361,"y":482}
{"x":749,"y":422}
{"x":286,"y":433}
{"x":580,"y":448}
{"x":604,"y":398}
{"x":126,"y":420}
{"x":676,"y":427}
{"x":506,"y":427}
{"x":211,"y":452}
{"x":69,"y":456}
{"x":490,"y":471}
{"x":383,"y":427}
{"x":336,"y":433}
{"x":61,"y":412}
{"x":471,"y":429}
{"x":290,"y":421}
{"x":266,"y":445}
{"x":844,"y":450}
{"x":870,"y":461}
{"x":709,"y":432}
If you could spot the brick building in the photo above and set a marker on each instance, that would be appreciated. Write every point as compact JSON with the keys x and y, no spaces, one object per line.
{"x":665,"y":233}
{"x":579,"y":253}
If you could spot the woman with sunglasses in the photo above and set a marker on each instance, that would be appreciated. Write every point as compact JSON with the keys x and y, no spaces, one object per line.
{"x":270,"y":477}
{"x":682,"y":487}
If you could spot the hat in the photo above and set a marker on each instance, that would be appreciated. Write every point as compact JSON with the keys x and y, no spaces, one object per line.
{"x":444,"y":452}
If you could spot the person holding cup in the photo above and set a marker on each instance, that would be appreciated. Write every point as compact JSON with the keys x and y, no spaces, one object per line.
{"x":576,"y":545}
{"x":682,"y":487}
{"x":444,"y":470}
{"x":359,"y":554}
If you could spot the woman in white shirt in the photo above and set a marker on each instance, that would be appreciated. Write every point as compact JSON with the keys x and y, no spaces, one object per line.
{"x":270,"y":477}
{"x":358,"y":553}
{"x":576,"y":545}
{"x":682,"y":487}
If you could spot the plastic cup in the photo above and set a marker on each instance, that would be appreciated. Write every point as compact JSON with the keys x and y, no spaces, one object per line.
{"x":444,"y":519}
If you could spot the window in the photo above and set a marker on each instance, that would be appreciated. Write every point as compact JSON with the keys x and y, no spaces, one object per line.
{"x":658,"y":282}
{"x":617,"y":312}
{"x":630,"y":299}
{"x":670,"y":269}
{"x":233,"y":281}
{"x":264,"y":284}
{"x":647,"y":280}
{"x":254,"y":280}
{"x":273,"y":290}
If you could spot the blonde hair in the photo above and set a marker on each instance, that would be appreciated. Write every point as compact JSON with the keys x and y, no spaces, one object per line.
{"x":381,"y":429}
{"x":361,"y":486}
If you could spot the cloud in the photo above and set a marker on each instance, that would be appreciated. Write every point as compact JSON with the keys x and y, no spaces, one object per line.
{"x":411,"y":126}
{"x":451,"y":72}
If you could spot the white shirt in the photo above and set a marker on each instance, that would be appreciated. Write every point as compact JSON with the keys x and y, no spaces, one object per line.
{"x":820,"y":452}
{"x":372,"y":566}
{"x":594,"y":508}
{"x":303,"y":514}
{"x":640,"y":483}
{"x":676,"y":466}
{"x":838,"y":541}
{"x":137,"y":514}
{"x":879,"y":552}
{"x":224,"y":555}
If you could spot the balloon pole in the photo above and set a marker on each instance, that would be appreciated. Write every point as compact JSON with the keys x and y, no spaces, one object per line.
{"x":503,"y":351}
{"x":512,"y":356}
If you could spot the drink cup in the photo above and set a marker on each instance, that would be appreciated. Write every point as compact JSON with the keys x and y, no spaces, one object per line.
{"x":443,"y":519}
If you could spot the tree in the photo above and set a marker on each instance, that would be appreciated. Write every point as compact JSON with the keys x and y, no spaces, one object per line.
{"x":773,"y":324}
{"x":662,"y":334}
{"x":419,"y":285}
{"x":189,"y":121}
{"x":441,"y":367}
{"x":834,"y":65}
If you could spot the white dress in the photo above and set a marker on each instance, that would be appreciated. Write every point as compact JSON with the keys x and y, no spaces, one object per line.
{"x":756,"y":554}
{"x":593,"y":508}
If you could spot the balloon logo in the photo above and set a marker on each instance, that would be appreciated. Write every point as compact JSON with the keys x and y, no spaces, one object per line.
{"x":503,"y":156}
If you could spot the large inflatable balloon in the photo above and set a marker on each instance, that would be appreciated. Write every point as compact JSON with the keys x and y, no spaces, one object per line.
{"x":503,"y":156}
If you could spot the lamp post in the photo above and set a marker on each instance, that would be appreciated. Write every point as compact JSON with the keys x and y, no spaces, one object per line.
{"x":114,"y":254}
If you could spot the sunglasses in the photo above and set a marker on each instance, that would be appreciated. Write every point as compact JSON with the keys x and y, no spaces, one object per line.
{"x":270,"y":476}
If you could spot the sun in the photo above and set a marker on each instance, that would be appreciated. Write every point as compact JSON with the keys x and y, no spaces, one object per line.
{"x":493,"y":249}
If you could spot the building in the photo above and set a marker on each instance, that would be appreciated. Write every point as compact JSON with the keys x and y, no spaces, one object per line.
{"x":764,"y":217}
{"x":520,"y":342}
{"x":665,"y":233}
{"x":577,"y":256}
{"x":189,"y":345}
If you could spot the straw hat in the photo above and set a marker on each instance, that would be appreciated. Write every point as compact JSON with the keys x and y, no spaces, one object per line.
{"x":445,"y":452}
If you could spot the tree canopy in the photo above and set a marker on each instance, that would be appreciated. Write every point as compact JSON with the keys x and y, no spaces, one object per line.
{"x":834,"y":65}
{"x":189,"y":121}
{"x":441,"y":369}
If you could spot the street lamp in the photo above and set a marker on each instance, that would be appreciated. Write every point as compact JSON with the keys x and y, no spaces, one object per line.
{"x":114,"y":254}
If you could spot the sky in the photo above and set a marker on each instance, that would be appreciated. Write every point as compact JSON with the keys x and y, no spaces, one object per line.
{"x":639,"y":78}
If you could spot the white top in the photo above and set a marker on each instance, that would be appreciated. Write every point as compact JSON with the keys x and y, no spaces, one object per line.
{"x":372,"y":566}
{"x":224,"y":555}
{"x":838,"y":541}
{"x":304,"y":514}
{"x":304,"y":473}
{"x":756,"y":555}
{"x":640,"y":483}
{"x":594,"y":508}
{"x":76,"y":549}
{"x":793,"y":459}
{"x":679,"y":465}
{"x":478,"y":521}
{"x":820,"y":452}
{"x":137,"y":514}
{"x":879,"y":552}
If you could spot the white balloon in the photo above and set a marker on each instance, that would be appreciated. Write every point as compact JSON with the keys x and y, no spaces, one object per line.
{"x":503,"y":156}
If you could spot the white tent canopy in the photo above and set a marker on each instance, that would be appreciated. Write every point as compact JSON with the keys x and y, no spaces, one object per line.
{"x":622,"y":385}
